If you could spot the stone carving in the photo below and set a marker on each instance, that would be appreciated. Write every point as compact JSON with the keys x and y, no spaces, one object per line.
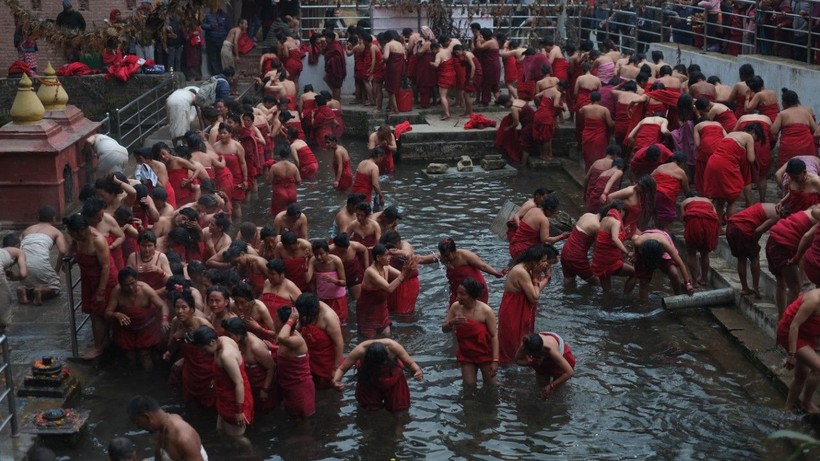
{"x":465,"y":165}
{"x":492,"y":162}
{"x":437,"y":168}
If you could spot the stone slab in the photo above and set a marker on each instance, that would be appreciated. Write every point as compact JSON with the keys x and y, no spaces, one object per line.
{"x":453,"y":173}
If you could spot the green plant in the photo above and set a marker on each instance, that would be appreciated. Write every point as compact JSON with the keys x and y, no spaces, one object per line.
{"x":807,"y":442}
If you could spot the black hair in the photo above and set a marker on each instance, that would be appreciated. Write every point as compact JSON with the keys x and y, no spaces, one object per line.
{"x":308,"y":306}
{"x":473,"y":288}
{"x":533,"y":343}
{"x":141,"y":404}
{"x":203,"y":336}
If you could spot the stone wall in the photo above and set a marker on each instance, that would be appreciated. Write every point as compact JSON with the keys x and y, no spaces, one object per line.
{"x":92,"y":93}
{"x":776,"y":72}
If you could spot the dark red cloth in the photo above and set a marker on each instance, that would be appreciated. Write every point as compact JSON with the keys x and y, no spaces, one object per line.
{"x":183,"y":194}
{"x":606,"y":259}
{"x":224,"y":179}
{"x":710,"y":137}
{"x":525,"y":237}
{"x":90,"y":275}
{"x":116,"y":254}
{"x":784,"y":238}
{"x":232,"y":164}
{"x":624,"y":124}
{"x":582,"y":98}
{"x":379,"y":67}
{"x":723,"y":178}
{"x":394,"y":71}
{"x":763,"y":148}
{"x":426,"y":74}
{"x":402,"y":128}
{"x":353,"y":271}
{"x":346,"y":180}
{"x":455,"y":275}
{"x":308,"y":166}
{"x":296,"y":271}
{"x":447,"y":74}
{"x":516,"y":319}
{"x":701,"y":226}
{"x":474,"y":343}
{"x":362,"y":184}
{"x":402,"y":300}
{"x":595,"y":188}
{"x":668,"y":96}
{"x":293,"y":63}
{"x":799,"y":200}
{"x":595,"y":139}
{"x":478,"y":122}
{"x":18,"y":68}
{"x":508,"y":140}
{"x":727,"y":120}
{"x":474,"y":84}
{"x":324,"y":123}
{"x":640,"y":165}
{"x":796,"y":139}
{"x":749,"y":219}
{"x":388,"y":390}
{"x":296,"y":386}
{"x":548,"y":368}
{"x":256,"y":376}
{"x":122,"y":70}
{"x":322,"y":355}
{"x":369,"y":241}
{"x":526,"y":90}
{"x":339,"y":306}
{"x":75,"y":68}
{"x":335,"y":65}
{"x":490,"y":70}
{"x":197,"y":373}
{"x":143,"y":330}
{"x":575,"y":255}
{"x":560,"y":69}
{"x":247,"y":138}
{"x":190,"y":253}
{"x":244,"y":45}
{"x":372,"y":315}
{"x":769,"y":110}
{"x":740,"y":104}
{"x":224,"y":389}
{"x":811,"y":260}
{"x":387,"y":165}
{"x":411,"y":70}
{"x":648,"y":134}
{"x":511,"y":74}
{"x":667,"y":185}
{"x":283,"y":193}
{"x":543,"y":123}
{"x":808,"y":332}
{"x":532,"y":65}
{"x":274,"y":302}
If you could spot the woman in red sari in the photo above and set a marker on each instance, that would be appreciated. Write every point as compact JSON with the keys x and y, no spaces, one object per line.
{"x":394,"y":65}
{"x":763,"y":151}
{"x":284,"y":177}
{"x":724,"y":179}
{"x":550,"y":107}
{"x":474,"y":325}
{"x":259,"y":366}
{"x":461,"y":264}
{"x":98,"y":276}
{"x":380,"y":279}
{"x":295,"y":253}
{"x":629,"y":110}
{"x":796,"y":126}
{"x":602,"y":184}
{"x":234,"y":156}
{"x":324,"y":120}
{"x":364,"y":229}
{"x":322,"y":331}
{"x":708,"y":135}
{"x":516,"y":316}
{"x":597,"y":125}
{"x":278,"y":291}
{"x":326,"y":272}
{"x":381,"y":381}
{"x":341,"y":164}
{"x":302,"y":155}
{"x":445,"y":64}
{"x":293,"y":366}
{"x":534,"y":228}
{"x":402,"y":301}
{"x":761,"y":100}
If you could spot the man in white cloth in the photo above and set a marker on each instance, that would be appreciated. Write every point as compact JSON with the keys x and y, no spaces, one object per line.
{"x":42,"y":281}
{"x":182,"y":111}
{"x":112,"y":156}
{"x":175,"y":439}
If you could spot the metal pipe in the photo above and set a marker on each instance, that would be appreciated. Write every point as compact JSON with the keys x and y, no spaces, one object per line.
{"x":67,"y":263}
{"x":15,"y":432}
{"x":700,"y":299}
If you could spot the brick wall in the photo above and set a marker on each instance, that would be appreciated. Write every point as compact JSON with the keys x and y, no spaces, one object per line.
{"x":94,"y":12}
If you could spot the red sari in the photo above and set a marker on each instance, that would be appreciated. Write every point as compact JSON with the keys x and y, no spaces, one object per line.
{"x":226,"y":395}
{"x":595,"y":139}
{"x":293,"y":63}
{"x":606,"y":259}
{"x":308,"y":166}
{"x":516,"y":319}
{"x":296,"y":272}
{"x":274,"y":302}
{"x":648,"y":134}
{"x":723,"y":178}
{"x":346,"y":180}
{"x":511,"y":74}
{"x":727,"y":120}
{"x":796,"y":139}
{"x":700,"y":226}
{"x":808,"y":332}
{"x":387,"y":390}
{"x":90,"y":275}
{"x":197,"y":373}
{"x":595,"y":187}
{"x":362,"y":184}
{"x":763,"y":148}
{"x":402,"y":300}
{"x":322,"y":355}
{"x":143,"y":330}
{"x":710,"y":137}
{"x":232,"y":165}
{"x":283,"y":193}
{"x":324,"y":123}
{"x":575,"y":255}
{"x":624,"y":124}
{"x":256,"y":376}
{"x":296,"y":386}
{"x":185,"y":194}
{"x":455,"y":275}
{"x":447,"y":74}
{"x":372,"y":315}
{"x":394,"y":71}
{"x":525,"y":237}
{"x":543,"y":123}
{"x":474,"y":343}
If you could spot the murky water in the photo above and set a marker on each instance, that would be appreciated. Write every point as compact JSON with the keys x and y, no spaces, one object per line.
{"x":648,"y":384}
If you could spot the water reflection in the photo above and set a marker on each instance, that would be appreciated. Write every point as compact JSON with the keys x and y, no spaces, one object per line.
{"x":646,"y":386}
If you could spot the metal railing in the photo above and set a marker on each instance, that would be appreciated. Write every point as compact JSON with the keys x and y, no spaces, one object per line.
{"x":68,"y":265}
{"x":8,"y":392}
{"x":526,"y":23}
{"x":765,"y":27}
{"x":131,"y":123}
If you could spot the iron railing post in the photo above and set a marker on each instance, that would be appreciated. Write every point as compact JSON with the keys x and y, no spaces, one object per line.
{"x":12,"y":399}
{"x":67,"y":263}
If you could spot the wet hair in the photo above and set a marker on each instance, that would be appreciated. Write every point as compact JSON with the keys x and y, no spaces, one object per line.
{"x":630,"y":86}
{"x":755,"y":83}
{"x":550,"y":203}
{"x":195,"y":267}
{"x":532,"y":254}
{"x":377,"y":152}
{"x":391,"y":239}
{"x":11,"y":240}
{"x":218,"y":289}
{"x":541,"y":191}
{"x":342,"y":240}
{"x":789,"y":98}
{"x":746,"y":71}
{"x":120,"y":449}
{"x":702,"y":103}
{"x":355,"y":198}
{"x":458,"y":48}
{"x":473,"y":288}
{"x":123,"y":215}
{"x":203,"y":335}
{"x":616,"y":204}
{"x":331,"y":138}
{"x":614,"y":149}
{"x":107,"y":184}
{"x":293,"y":210}
{"x":283,"y":153}
{"x":713,"y":79}
{"x":664,"y":71}
{"x":206,"y":201}
{"x":126,"y":272}
{"x":533,"y":343}
{"x":657,"y":86}
{"x":595,"y":96}
{"x":76,"y":222}
{"x":647,"y":186}
{"x":569,"y":48}
{"x":546,"y":69}
{"x":276,"y":265}
{"x":160,"y":194}
{"x":207,"y":186}
{"x":235,"y":325}
{"x":319,"y":244}
{"x":289,"y":238}
{"x":142,"y":404}
{"x":619,"y":163}
{"x":755,"y":129}
{"x":308,"y":88}
{"x":222,"y":221}
{"x":695,"y":77}
{"x":447,"y":246}
{"x":651,"y":252}
{"x":378,"y":250}
{"x":642,"y":78}
{"x":247,"y":231}
{"x":795,"y":166}
{"x":283,"y":313}
{"x":653,"y":153}
{"x":503,"y":99}
{"x":376,"y":358}
{"x":147,"y":236}
{"x":586,"y":45}
{"x":308,"y":306}
{"x":550,"y":252}
{"x":267,"y":231}
{"x":365,"y":208}
{"x":678,"y":157}
{"x":92,"y":207}
{"x":46,"y":214}
{"x":236,"y":249}
{"x":189,"y":213}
